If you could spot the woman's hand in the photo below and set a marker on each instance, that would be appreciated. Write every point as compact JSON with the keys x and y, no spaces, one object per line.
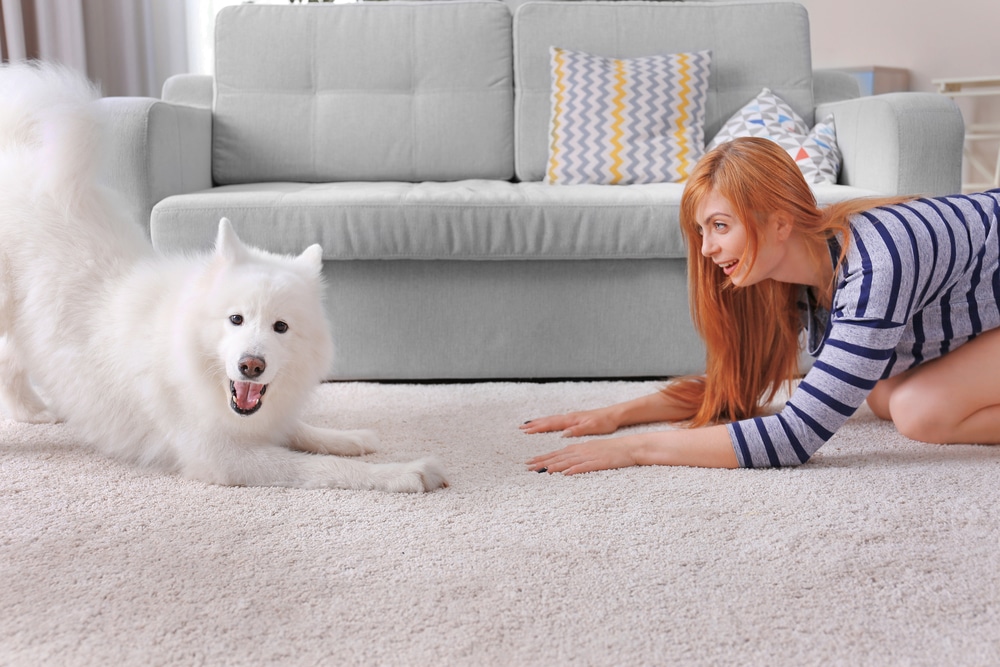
{"x":587,"y":457}
{"x":602,"y":421}
{"x":575,"y":424}
{"x":708,"y":447}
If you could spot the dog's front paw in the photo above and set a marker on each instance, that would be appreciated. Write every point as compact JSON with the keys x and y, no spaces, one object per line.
{"x":356,"y":443}
{"x":413,"y":477}
{"x":431,"y":474}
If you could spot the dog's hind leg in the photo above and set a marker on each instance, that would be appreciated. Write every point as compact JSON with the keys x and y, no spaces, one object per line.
{"x":328,"y":441}
{"x":16,"y":393}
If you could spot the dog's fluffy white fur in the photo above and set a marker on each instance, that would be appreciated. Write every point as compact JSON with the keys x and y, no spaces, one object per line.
{"x":198,"y":365}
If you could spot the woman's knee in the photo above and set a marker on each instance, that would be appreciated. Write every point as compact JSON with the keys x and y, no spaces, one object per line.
{"x":919,"y":413}
{"x":878,"y":400}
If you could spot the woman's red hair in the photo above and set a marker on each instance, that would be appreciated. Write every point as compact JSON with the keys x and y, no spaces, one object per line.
{"x":751,"y":333}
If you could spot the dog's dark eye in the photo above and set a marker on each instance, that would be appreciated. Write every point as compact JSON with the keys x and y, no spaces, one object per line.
{"x":280,"y":327}
{"x":236,"y":319}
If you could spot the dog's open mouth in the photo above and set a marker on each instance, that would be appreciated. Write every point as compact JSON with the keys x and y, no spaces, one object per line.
{"x":246,"y":397}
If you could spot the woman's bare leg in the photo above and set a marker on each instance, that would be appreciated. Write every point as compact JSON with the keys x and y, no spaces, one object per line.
{"x":953,"y":399}
{"x":878,"y":399}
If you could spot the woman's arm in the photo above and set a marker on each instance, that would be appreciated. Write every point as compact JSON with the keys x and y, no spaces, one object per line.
{"x":649,"y":409}
{"x":708,"y":447}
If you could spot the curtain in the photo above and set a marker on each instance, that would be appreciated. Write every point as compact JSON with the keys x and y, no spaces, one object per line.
{"x":18,"y":31}
{"x":128,"y":47}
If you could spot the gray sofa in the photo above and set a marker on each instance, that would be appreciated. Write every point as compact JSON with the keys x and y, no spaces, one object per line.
{"x":410,"y":139}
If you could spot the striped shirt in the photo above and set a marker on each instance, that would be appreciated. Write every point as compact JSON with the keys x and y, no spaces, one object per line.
{"x":919,"y":279}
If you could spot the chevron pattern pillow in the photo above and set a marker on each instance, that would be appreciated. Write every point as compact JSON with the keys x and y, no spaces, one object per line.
{"x":622,"y":121}
{"x":770,"y":117}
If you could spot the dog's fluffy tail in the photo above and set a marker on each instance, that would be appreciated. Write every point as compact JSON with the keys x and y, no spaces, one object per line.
{"x":50,"y":128}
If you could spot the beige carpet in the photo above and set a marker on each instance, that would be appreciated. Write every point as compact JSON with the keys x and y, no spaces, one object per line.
{"x":880,"y":551}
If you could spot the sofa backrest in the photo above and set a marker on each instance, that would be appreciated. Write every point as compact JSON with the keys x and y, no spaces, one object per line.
{"x":405,"y":91}
{"x":753,"y":45}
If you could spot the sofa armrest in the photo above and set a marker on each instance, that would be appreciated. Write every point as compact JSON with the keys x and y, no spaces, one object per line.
{"x":156,"y":149}
{"x":195,"y":90}
{"x":899,"y":143}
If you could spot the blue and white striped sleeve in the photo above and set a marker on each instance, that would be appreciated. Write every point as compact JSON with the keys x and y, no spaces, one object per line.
{"x":853,"y":360}
{"x":871,"y":305}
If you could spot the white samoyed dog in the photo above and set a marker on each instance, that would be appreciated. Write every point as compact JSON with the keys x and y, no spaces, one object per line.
{"x":198,"y":365}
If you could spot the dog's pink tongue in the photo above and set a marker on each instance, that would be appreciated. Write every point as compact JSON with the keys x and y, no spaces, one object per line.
{"x":247,"y":394}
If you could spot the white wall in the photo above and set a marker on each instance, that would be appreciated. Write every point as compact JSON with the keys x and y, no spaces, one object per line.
{"x":956,"y":38}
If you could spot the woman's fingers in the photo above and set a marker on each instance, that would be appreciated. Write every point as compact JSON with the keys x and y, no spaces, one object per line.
{"x":585,"y":457}
{"x":572,"y":425}
{"x":590,"y":426}
{"x":549,"y":424}
{"x":574,"y":431}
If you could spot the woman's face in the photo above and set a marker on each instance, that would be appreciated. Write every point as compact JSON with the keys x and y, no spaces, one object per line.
{"x":724,"y":239}
{"x":723,"y":235}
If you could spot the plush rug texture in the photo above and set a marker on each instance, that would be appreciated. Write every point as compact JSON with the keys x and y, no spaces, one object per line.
{"x":880,"y":551}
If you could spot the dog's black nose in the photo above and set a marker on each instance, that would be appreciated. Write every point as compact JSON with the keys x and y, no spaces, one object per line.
{"x":252,"y":367}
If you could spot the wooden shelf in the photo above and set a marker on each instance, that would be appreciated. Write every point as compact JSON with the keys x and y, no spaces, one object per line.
{"x":977,"y":86}
{"x":969,"y":86}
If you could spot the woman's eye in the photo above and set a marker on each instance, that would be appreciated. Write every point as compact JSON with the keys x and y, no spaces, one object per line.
{"x":236,"y":319}
{"x":280,"y":327}
{"x":719,"y":226}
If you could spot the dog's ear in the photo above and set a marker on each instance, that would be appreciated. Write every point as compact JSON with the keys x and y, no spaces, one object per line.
{"x":312,"y":257}
{"x":227,"y":244}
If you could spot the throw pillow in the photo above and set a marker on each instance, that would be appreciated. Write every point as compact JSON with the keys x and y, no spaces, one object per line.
{"x":770,"y":117}
{"x":622,"y":121}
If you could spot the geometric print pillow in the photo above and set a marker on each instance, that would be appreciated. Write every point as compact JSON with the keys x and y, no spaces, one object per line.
{"x":623,"y":121}
{"x":770,"y":117}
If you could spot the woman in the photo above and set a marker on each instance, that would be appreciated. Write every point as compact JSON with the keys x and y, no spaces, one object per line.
{"x":898,"y":298}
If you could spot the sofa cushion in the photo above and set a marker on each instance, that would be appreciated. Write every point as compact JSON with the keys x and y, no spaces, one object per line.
{"x":768,"y":116}
{"x":620,"y":121}
{"x":476,"y":219}
{"x":753,"y":45}
{"x":403,"y":91}
{"x":466,"y":220}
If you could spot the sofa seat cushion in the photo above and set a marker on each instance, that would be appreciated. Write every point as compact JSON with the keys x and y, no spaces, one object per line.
{"x":463,"y":220}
